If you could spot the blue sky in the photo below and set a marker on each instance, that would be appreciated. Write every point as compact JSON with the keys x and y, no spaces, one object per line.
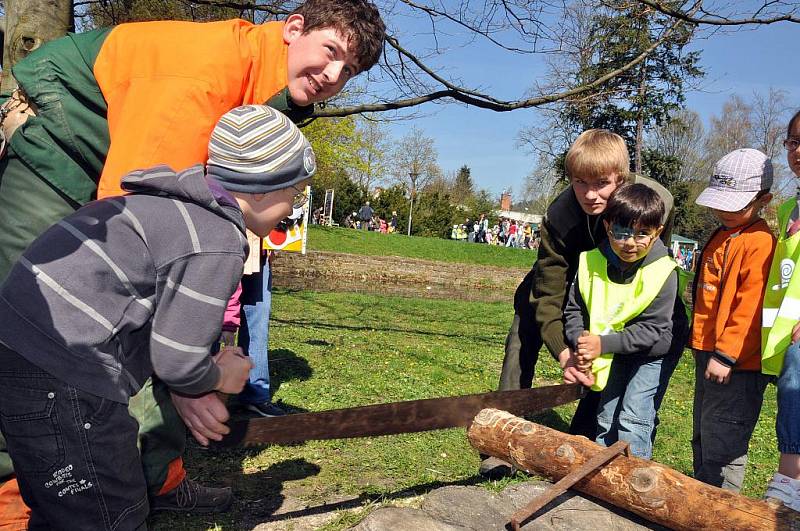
{"x":735,"y":62}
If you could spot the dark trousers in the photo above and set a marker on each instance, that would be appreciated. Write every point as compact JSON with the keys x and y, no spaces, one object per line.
{"x":523,"y":344}
{"x":28,"y":206}
{"x":74,"y":453}
{"x":725,"y":416}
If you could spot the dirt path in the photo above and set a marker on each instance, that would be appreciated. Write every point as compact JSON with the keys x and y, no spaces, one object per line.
{"x":392,"y":275}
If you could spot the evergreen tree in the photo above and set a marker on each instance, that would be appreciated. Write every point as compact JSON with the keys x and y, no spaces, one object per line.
{"x":463,"y":188}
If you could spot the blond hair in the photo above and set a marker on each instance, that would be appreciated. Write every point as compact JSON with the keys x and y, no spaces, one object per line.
{"x":598,"y":153}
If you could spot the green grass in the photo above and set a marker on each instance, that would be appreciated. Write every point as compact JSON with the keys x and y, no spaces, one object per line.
{"x":331,"y":350}
{"x":376,"y":244}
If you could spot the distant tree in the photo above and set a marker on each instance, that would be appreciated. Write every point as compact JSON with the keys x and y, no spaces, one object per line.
{"x":662,"y":168}
{"x":542,"y":184}
{"x":371,"y":155}
{"x":682,"y":137}
{"x":692,"y":220}
{"x":479,"y":203}
{"x":600,"y":34}
{"x":414,"y":162}
{"x":434,"y":216}
{"x":731,"y":129}
{"x":463,"y":188}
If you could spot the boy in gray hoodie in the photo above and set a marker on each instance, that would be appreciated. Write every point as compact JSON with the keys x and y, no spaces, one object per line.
{"x":624,"y":318}
{"x":128,"y":287}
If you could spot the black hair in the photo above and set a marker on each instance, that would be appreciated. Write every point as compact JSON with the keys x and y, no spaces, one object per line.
{"x":635,"y":204}
{"x":791,"y":123}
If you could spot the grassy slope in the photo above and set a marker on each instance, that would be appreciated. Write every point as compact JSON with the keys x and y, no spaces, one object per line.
{"x":338,"y":349}
{"x":376,"y":244}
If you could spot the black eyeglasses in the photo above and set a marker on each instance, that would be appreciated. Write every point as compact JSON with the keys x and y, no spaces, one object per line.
{"x":791,"y":144}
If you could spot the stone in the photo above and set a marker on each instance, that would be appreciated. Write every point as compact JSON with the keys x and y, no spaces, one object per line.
{"x":403,"y":519}
{"x":477,"y":509}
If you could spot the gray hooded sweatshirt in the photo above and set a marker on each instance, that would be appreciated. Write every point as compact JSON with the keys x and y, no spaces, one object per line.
{"x":130,"y":285}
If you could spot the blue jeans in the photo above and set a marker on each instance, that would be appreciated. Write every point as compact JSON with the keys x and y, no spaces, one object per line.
{"x":788,"y":422}
{"x":254,"y":332}
{"x":74,"y":453}
{"x":630,"y":402}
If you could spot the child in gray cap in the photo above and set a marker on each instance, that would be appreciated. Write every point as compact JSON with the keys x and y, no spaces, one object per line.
{"x":124,"y":288}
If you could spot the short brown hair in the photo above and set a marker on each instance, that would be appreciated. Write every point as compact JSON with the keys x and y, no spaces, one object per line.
{"x":597,"y":153}
{"x":635,"y":204}
{"x":357,"y":20}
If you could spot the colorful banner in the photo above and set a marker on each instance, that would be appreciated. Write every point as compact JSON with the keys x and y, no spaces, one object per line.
{"x":291,"y":233}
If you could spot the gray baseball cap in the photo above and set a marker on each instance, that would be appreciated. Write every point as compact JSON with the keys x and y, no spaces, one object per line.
{"x":737,"y":179}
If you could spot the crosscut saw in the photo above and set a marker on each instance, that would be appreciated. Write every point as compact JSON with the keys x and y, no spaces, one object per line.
{"x":394,"y":417}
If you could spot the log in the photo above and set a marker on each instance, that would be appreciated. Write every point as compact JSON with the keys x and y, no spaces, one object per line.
{"x":649,"y":489}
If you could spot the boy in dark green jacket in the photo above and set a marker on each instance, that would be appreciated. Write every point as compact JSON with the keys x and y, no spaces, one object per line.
{"x":596,"y":164}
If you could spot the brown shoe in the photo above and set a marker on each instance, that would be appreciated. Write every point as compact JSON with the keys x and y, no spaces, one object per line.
{"x":191,"y":497}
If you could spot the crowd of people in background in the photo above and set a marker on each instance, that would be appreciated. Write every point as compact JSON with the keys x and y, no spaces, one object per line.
{"x":367,"y":219}
{"x":506,"y":232}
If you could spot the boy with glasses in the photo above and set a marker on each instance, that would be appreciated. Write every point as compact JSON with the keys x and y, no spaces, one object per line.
{"x":597,"y":163}
{"x":732,"y":273}
{"x":623,"y":317}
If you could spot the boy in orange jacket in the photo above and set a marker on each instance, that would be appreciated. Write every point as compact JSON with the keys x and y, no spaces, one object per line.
{"x":732,"y":273}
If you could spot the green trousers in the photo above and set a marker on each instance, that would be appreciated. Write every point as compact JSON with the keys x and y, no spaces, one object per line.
{"x":28,"y":206}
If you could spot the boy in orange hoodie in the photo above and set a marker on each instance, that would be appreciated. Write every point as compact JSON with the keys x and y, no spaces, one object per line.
{"x":732,"y":273}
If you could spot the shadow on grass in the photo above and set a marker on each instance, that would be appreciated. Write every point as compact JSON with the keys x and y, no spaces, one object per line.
{"x":372,"y":497}
{"x":260,"y":493}
{"x":378,"y":328}
{"x":285,"y":366}
{"x":551,"y":419}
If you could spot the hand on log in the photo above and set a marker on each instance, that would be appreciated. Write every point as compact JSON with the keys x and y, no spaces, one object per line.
{"x":572,"y":374}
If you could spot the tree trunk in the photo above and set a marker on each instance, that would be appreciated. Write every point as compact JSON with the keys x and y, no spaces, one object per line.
{"x":29,"y":24}
{"x":637,"y":162}
{"x":644,"y":487}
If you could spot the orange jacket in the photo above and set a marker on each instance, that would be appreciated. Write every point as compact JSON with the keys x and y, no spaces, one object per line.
{"x":728,"y":292}
{"x":167,"y":84}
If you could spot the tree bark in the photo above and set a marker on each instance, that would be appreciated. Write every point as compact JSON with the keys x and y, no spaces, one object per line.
{"x":637,"y":164}
{"x":644,"y":487}
{"x":29,"y":24}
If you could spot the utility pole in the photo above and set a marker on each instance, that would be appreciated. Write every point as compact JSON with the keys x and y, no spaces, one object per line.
{"x":413,"y":175}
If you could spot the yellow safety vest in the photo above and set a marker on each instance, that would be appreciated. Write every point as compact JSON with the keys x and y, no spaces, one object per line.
{"x":781,"y":308}
{"x":612,"y":305}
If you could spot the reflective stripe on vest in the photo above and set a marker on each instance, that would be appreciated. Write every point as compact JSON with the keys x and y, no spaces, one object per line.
{"x":781,"y":308}
{"x":611,"y":305}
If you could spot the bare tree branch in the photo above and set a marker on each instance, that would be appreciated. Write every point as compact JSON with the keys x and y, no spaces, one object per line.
{"x":718,"y":20}
{"x":477,"y":100}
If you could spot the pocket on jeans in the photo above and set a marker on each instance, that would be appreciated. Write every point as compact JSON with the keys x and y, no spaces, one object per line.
{"x":30,"y":424}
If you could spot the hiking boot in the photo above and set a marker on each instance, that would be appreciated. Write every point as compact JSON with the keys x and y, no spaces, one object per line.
{"x":191,"y":497}
{"x":265,"y":409}
{"x":495,"y":468}
{"x":785,"y":490}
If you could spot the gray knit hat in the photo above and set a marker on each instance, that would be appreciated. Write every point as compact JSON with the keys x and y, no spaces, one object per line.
{"x":255,"y":149}
{"x":737,"y":179}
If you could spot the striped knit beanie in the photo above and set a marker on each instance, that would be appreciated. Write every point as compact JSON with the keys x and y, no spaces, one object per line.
{"x":255,"y":149}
